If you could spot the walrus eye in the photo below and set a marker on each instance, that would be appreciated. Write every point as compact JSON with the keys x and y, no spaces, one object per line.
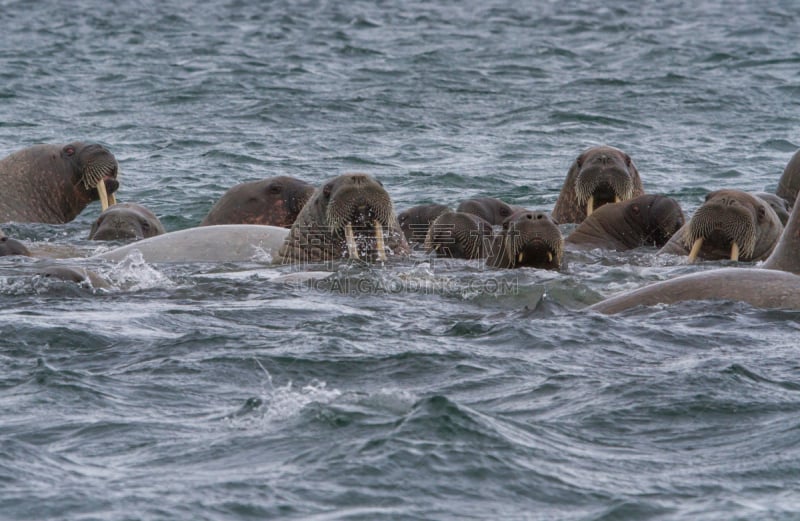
{"x":708,"y":196}
{"x":327,"y":190}
{"x":275,"y":189}
{"x":504,"y":212}
{"x":628,"y":160}
{"x":635,"y":209}
{"x":69,"y":150}
{"x":762,"y":212}
{"x":579,"y":161}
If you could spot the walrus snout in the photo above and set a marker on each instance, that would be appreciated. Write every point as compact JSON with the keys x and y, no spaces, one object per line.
{"x":96,"y":165}
{"x":529,"y":239}
{"x":722,"y":228}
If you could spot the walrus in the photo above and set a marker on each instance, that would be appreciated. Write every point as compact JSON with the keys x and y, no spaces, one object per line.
{"x":9,"y":246}
{"x":779,"y":205}
{"x":491,"y":209}
{"x":350,"y":216}
{"x":598,"y":176}
{"x":416,"y":220}
{"x":125,"y":221}
{"x":78,"y":275}
{"x":730,"y":224}
{"x":528,"y":239}
{"x":219,"y":243}
{"x":54,"y":183}
{"x":646,"y":220}
{"x":776,"y":284}
{"x":789,"y":183}
{"x":274,"y":201}
{"x":459,"y":235}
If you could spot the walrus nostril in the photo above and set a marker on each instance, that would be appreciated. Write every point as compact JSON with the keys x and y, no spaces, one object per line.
{"x":359,"y":179}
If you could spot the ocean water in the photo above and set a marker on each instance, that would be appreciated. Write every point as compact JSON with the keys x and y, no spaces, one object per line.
{"x":436,"y":390}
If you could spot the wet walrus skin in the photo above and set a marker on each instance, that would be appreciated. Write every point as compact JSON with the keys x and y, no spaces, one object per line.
{"x":459,"y":235}
{"x":598,"y":176}
{"x":9,"y":246}
{"x":54,"y":183}
{"x":274,"y":201}
{"x":789,"y":183}
{"x":126,"y":221}
{"x":492,"y":210}
{"x":647,"y":220}
{"x":416,"y":220}
{"x":350,"y":217}
{"x":730,"y":224}
{"x":776,"y":284}
{"x":529,"y":239}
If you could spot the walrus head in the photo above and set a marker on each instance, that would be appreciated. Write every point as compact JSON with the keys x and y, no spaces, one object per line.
{"x":598,"y":176}
{"x":275,"y":201}
{"x":528,"y":239}
{"x":727,"y":226}
{"x":416,"y":220}
{"x":458,"y":235}
{"x":491,"y":209}
{"x":657,"y":216}
{"x":350,"y":216}
{"x":96,"y":170}
{"x":604,"y":176}
{"x":125,"y":221}
{"x":9,"y":246}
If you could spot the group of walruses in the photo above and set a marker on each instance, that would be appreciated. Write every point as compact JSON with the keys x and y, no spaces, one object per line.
{"x":352,"y":217}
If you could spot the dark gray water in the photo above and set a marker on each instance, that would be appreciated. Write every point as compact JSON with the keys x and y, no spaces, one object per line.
{"x":444,"y":391}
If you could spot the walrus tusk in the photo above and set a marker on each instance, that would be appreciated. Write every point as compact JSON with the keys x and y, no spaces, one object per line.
{"x":549,"y":257}
{"x":617,"y":199}
{"x":352,"y":249}
{"x":590,"y":206}
{"x":735,"y":252}
{"x":379,"y":242}
{"x":112,"y":199}
{"x":519,"y":259}
{"x":101,"y":189}
{"x":695,"y":249}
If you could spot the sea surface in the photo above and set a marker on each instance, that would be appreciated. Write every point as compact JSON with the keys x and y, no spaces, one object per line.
{"x":434,"y":390}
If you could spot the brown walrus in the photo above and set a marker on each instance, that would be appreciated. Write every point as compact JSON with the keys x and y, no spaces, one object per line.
{"x":528,"y":239}
{"x":492,"y":210}
{"x":350,"y":216}
{"x":598,"y":176}
{"x":779,"y":205}
{"x":125,"y":221}
{"x":274,"y":201}
{"x":646,"y":220}
{"x":416,"y":220}
{"x":79,"y":275}
{"x":776,"y":284}
{"x":789,"y":183}
{"x":459,"y":235}
{"x":54,"y":183}
{"x":9,"y":246}
{"x":730,"y":224}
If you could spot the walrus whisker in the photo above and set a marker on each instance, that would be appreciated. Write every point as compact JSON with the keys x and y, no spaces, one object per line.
{"x":101,"y":189}
{"x":698,"y":243}
{"x":379,"y":245}
{"x":735,"y":252}
{"x":352,"y":249}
